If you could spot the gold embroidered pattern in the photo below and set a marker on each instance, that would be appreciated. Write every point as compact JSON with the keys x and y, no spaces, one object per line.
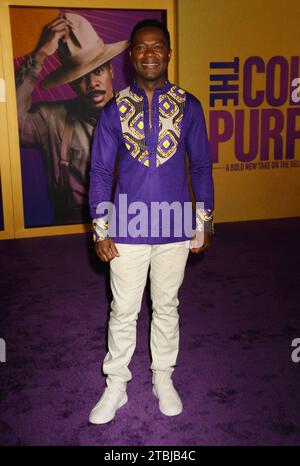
{"x":131,"y":113}
{"x":171,"y":108}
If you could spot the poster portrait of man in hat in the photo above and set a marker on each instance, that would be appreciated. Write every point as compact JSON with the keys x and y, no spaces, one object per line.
{"x":62,"y":130}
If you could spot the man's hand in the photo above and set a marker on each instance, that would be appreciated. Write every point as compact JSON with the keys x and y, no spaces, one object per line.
{"x":205,"y":245}
{"x":106,"y":250}
{"x":50,"y":37}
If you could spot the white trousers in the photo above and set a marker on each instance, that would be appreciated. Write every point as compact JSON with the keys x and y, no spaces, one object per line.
{"x":128,"y":276}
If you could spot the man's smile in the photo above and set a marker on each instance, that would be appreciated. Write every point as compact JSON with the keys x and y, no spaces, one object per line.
{"x":150,"y":65}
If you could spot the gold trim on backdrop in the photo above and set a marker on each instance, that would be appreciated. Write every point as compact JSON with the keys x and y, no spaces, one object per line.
{"x":50,"y":231}
{"x":11,"y":138}
{"x":5,"y":168}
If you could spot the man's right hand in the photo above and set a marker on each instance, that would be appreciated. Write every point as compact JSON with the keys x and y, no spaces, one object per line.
{"x":106,"y":250}
{"x":51,"y":35}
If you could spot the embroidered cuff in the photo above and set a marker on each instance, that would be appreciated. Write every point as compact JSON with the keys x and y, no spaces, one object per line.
{"x":100,"y":229}
{"x":204,"y":220}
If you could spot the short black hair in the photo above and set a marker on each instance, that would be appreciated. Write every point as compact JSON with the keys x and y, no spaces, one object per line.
{"x":150,"y":23}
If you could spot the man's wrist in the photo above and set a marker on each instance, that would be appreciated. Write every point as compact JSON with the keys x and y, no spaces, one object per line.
{"x":39,"y":56}
{"x":100,"y":229}
{"x":205,"y":220}
{"x":209,"y":227}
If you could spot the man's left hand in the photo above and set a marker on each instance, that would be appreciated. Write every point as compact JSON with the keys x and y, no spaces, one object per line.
{"x":205,"y":245}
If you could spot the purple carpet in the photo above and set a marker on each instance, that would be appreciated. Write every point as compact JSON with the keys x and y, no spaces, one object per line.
{"x":239,"y":308}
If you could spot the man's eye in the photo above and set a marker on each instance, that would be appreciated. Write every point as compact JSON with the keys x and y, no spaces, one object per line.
{"x":139,"y":48}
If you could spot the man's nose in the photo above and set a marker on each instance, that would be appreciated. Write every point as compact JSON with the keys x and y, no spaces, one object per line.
{"x":149,"y":51}
{"x":92,"y":81}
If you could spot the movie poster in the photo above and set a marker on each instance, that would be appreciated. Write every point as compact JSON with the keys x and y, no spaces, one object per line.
{"x":59,"y":104}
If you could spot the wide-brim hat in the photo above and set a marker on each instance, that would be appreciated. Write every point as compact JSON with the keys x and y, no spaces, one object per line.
{"x":82,"y":52}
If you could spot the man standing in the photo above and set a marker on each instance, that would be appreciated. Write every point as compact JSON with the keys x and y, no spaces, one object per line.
{"x":150,"y":126}
{"x":63,"y":130}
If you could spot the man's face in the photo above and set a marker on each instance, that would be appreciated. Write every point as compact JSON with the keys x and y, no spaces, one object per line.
{"x":95,"y":89}
{"x":150,"y":54}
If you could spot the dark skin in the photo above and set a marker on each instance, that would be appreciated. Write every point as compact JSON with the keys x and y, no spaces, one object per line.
{"x":150,"y":56}
{"x":95,"y":89}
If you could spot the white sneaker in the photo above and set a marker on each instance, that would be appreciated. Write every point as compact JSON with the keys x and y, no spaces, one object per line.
{"x":105,"y":410}
{"x":169,"y":401}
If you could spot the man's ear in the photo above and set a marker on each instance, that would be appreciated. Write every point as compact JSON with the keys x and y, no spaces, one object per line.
{"x":170,"y":54}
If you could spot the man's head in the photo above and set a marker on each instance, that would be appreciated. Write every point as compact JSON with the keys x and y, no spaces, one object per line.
{"x":95,"y":88}
{"x":84,"y":56}
{"x":150,"y":50}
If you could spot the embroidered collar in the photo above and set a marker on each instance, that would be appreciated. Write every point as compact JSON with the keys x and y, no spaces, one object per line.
{"x":161,"y":90}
